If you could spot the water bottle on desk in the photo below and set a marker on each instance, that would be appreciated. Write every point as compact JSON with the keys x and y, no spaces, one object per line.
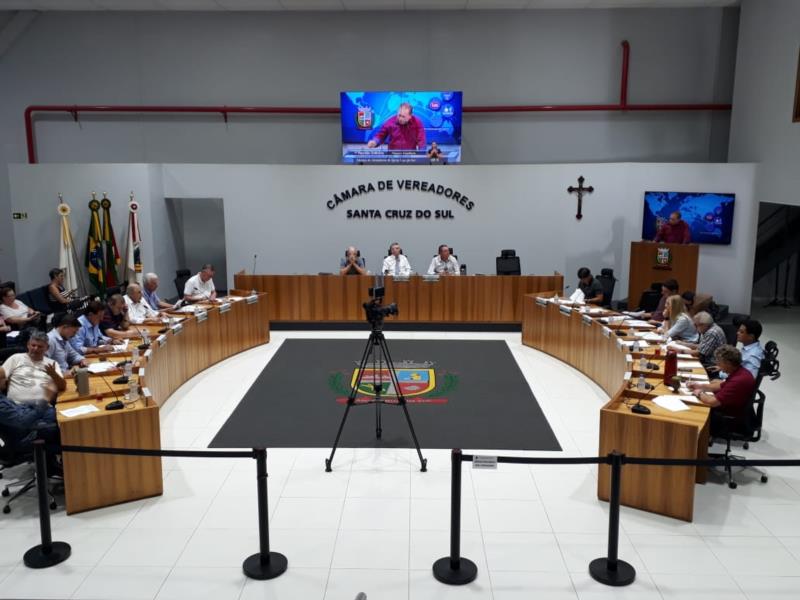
{"x":641,"y":385}
{"x":135,"y":355}
{"x":128,"y":369}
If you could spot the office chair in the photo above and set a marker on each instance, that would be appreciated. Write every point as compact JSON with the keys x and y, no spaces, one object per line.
{"x":608,"y":281}
{"x":649,"y":300}
{"x":508,"y":264}
{"x":750,"y":431}
{"x":181,"y":277}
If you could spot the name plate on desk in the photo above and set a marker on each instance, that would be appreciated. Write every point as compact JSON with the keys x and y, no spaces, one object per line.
{"x":586,"y":319}
{"x":148,"y":353}
{"x":223,"y":308}
{"x":252,"y":299}
{"x":620,"y":343}
{"x":628,"y":358}
{"x":201,"y":315}
{"x":565,"y":310}
{"x":141,"y":372}
{"x":541,"y":301}
{"x":399,"y":278}
{"x":484,"y":462}
{"x":162,"y":339}
{"x":606,"y":332}
{"x":176,"y":329}
{"x":147,"y":393}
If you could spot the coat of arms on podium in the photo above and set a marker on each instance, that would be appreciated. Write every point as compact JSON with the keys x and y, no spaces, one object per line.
{"x":663,"y":258}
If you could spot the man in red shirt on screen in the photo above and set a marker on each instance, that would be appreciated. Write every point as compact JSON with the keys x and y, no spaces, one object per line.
{"x":674,"y":231}
{"x":404,"y":130}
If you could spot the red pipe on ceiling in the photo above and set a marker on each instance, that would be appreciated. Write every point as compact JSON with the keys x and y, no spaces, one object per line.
{"x":76,"y":109}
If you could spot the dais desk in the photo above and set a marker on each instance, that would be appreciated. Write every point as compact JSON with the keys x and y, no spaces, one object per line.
{"x":196,"y":343}
{"x":450,"y":299}
{"x":584,"y":343}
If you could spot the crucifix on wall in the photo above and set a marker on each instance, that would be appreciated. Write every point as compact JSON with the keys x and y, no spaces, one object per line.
{"x":581,"y":191}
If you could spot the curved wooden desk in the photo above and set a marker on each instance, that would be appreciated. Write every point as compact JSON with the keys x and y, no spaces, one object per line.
{"x":584,"y":343}
{"x":95,"y":480}
{"x":338,"y":298}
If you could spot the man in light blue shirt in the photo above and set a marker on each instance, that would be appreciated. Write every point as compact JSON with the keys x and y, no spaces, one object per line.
{"x":149,"y":287}
{"x":752,"y":352}
{"x":59,"y":348}
{"x":89,"y":339}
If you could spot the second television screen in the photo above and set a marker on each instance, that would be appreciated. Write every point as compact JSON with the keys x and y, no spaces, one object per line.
{"x":401,"y":127}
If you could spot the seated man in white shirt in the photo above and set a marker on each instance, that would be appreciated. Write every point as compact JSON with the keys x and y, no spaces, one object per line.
{"x":444,"y":263}
{"x":139,"y":310}
{"x":31,"y":377}
{"x":200,"y":288}
{"x":396,"y":263}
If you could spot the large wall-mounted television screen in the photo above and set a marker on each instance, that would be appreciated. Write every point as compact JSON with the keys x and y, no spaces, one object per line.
{"x":401,"y":127}
{"x":709,"y":215}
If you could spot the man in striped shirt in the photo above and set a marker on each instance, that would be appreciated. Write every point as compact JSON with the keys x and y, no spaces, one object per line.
{"x":711,"y":338}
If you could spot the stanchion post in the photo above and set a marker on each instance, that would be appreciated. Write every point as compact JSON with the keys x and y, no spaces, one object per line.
{"x":48,"y":553}
{"x":610,"y":570}
{"x":455,"y":569}
{"x":264,"y":564}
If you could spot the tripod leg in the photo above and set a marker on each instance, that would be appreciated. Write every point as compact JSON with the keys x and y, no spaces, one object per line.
{"x":350,"y":401}
{"x":378,"y":428}
{"x":401,"y":399}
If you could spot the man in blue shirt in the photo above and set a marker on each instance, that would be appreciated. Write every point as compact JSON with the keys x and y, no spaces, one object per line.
{"x":149,"y":287}
{"x":752,"y":352}
{"x":89,"y":339}
{"x":59,"y":348}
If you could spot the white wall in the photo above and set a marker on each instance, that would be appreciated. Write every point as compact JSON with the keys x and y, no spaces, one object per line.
{"x":279,"y":212}
{"x":766,"y":74}
{"x":504,"y":57}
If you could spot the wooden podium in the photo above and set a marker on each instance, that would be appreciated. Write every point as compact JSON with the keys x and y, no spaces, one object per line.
{"x":652,"y":261}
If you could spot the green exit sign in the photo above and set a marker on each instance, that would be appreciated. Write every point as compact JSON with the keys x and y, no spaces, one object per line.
{"x":19,"y":216}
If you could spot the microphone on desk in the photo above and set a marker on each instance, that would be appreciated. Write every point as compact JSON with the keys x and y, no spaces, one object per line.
{"x":255,"y":257}
{"x":144,"y":345}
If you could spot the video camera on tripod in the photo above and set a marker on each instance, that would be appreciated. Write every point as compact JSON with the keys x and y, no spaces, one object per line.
{"x":374,"y":308}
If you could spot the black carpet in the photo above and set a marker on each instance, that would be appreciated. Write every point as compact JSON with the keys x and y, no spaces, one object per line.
{"x":461,"y":394}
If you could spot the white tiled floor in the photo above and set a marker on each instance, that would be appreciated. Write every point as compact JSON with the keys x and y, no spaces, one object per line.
{"x":376,"y":524}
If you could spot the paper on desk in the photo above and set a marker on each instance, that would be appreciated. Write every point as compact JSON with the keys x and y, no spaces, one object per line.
{"x":650,"y":336}
{"x":671,"y":403}
{"x":689,"y":364}
{"x":577,"y":296}
{"x":101,"y":367}
{"x":640,"y":324}
{"x":595,"y":311}
{"x":686,"y":356}
{"x":121,"y":347}
{"x":12,"y":334}
{"x":79,"y":410}
{"x":234,"y":298}
{"x":678,"y":347}
{"x":695,"y":376}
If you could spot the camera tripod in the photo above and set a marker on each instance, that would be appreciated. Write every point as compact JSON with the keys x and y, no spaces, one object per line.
{"x":377,"y":350}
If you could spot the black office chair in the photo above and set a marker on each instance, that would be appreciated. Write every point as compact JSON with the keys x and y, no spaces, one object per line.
{"x":649,"y":300}
{"x":508,"y":263}
{"x":181,"y":277}
{"x":750,"y":430}
{"x":12,"y":456}
{"x":608,"y":281}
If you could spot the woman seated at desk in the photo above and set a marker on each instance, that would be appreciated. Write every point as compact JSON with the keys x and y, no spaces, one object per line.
{"x":678,"y":325}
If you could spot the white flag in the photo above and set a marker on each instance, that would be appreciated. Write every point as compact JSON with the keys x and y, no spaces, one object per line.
{"x":73,"y":280}
{"x":133,"y":256}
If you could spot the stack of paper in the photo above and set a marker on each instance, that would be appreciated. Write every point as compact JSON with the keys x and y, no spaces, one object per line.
{"x":671,"y":403}
{"x":79,"y":410}
{"x":688,"y":365}
{"x":101,"y":367}
{"x":640,"y":324}
{"x":695,"y":376}
{"x":678,"y":347}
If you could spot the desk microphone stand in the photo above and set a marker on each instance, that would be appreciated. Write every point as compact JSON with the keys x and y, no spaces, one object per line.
{"x":377,"y":352}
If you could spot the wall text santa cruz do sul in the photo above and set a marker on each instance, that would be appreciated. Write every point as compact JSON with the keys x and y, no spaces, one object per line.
{"x":410,"y":185}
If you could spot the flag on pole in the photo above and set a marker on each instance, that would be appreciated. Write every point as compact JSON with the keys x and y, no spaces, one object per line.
{"x":111,"y":257}
{"x":67,"y":256}
{"x":94,"y":248}
{"x":132,"y":271}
